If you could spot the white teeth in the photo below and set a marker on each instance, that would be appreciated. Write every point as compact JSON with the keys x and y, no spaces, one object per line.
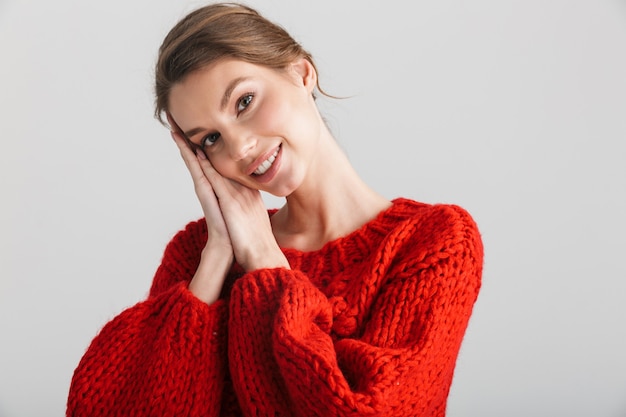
{"x":262,"y":169}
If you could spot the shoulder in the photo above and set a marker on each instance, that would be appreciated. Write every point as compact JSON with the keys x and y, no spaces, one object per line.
{"x":436,"y":228}
{"x":185,"y":247}
{"x":193,"y":234}
{"x":433,"y":218}
{"x":435,"y":245}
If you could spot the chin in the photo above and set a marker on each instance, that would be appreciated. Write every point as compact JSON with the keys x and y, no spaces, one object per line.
{"x":279,"y":193}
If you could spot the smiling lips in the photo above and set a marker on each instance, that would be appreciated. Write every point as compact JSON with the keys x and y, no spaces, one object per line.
{"x":267,"y":164}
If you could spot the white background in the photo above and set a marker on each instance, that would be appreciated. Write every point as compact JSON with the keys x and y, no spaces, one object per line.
{"x":514,"y":109}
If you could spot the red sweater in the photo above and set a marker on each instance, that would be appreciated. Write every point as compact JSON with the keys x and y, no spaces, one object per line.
{"x":369,"y":325}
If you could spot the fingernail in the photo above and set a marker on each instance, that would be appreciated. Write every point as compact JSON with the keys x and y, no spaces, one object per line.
{"x":200,"y":154}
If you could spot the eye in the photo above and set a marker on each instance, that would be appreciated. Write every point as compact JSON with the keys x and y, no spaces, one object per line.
{"x":209,"y":139}
{"x":244,"y":102}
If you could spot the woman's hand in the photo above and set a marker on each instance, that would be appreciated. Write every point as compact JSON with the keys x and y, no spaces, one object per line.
{"x":217,"y":255}
{"x":247,"y":221}
{"x":216,"y":226}
{"x":235,"y":213}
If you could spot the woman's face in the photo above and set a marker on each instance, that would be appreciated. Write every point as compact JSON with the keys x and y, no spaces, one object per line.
{"x":258,"y":126}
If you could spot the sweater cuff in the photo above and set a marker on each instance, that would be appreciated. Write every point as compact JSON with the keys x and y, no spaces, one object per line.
{"x":290,"y":294}
{"x":179,"y":298}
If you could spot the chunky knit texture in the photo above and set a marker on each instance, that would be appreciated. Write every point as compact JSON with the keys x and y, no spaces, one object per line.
{"x":369,"y":325}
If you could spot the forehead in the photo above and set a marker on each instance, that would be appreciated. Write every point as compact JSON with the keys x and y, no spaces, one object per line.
{"x":210,"y":79}
{"x":202,"y":92}
{"x":211,"y":82}
{"x":206,"y":87}
{"x":216,"y":76}
{"x":225,"y":68}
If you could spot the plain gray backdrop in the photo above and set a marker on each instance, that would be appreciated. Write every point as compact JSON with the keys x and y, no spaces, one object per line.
{"x":513,"y":109}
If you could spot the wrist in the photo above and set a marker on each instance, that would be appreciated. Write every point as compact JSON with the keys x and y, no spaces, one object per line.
{"x":215,"y":262}
{"x":217,"y":249}
{"x":269,"y":258}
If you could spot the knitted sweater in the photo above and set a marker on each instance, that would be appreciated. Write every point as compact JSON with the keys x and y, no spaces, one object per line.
{"x":369,"y":325}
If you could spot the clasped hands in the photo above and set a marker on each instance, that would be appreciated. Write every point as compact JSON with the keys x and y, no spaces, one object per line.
{"x":237,"y":221}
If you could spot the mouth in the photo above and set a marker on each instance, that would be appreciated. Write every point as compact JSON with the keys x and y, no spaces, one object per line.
{"x":267,"y":163}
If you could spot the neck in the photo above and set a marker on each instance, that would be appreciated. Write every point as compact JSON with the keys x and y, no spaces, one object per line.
{"x":332,"y":201}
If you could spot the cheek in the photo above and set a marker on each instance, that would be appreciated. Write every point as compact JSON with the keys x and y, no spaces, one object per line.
{"x":221,"y":165}
{"x":274,"y":115}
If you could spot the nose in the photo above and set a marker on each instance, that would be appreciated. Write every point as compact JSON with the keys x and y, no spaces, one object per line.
{"x":240,"y":145}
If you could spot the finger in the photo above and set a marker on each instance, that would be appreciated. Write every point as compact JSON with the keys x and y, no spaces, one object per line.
{"x":207,"y":166}
{"x":173,"y":125}
{"x":203,"y":187}
{"x":184,"y":145}
{"x":223,"y":187}
{"x":218,"y":182}
{"x":190,"y":159}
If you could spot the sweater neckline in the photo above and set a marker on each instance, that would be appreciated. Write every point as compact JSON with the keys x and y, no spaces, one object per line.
{"x":379,"y":226}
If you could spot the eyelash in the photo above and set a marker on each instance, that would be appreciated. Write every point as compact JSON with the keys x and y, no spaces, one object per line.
{"x":249,"y":96}
{"x":211,"y":138}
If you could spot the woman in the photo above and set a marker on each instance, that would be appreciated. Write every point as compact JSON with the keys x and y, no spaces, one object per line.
{"x":339,"y":303}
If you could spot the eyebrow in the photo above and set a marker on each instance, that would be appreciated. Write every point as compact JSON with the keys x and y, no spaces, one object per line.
{"x":229,"y":90}
{"x":225,"y":98}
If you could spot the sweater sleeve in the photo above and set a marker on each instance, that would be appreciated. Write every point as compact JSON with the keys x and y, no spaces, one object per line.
{"x":401,"y":358}
{"x":161,"y":356}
